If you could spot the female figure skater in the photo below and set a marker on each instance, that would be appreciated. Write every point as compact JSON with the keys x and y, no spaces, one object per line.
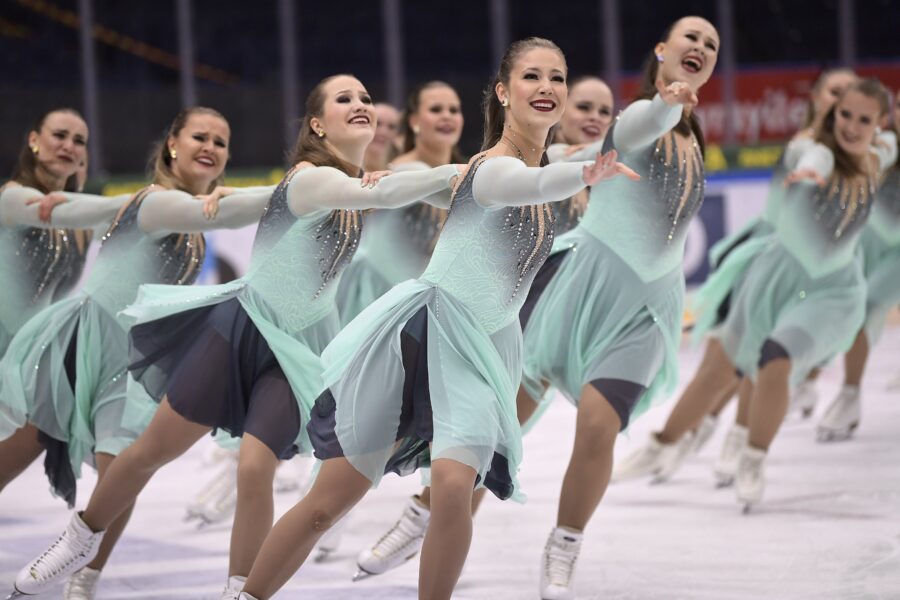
{"x":624,"y":336}
{"x":880,"y":241}
{"x":427,"y":374}
{"x":693,"y":418}
{"x":243,"y":356}
{"x":583,"y":125}
{"x":383,"y":146}
{"x":64,"y":372}
{"x":801,"y":293}
{"x":38,"y":259}
{"x":397,"y":243}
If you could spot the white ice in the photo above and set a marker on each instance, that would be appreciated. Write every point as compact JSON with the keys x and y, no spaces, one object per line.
{"x":829,"y":526}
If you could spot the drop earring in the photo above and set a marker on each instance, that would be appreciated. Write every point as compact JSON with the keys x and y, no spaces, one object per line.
{"x":172,"y":154}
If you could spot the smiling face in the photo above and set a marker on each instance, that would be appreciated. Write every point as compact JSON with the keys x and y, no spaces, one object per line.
{"x":348,"y":116}
{"x":536,"y":90}
{"x":856,"y":117}
{"x":387,"y":126}
{"x":588,"y":113}
{"x":201,"y":151}
{"x":690,"y":53}
{"x":829,"y":90}
{"x":61,"y":144}
{"x":439,"y":120}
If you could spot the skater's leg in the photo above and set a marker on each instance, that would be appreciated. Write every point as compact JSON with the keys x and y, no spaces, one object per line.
{"x":449,"y":531}
{"x":17,"y":452}
{"x":745,"y":397}
{"x":770,"y":395}
{"x":855,"y":360}
{"x":726,"y":399}
{"x":587,"y":476}
{"x":114,"y":531}
{"x":335,"y":491}
{"x":714,"y":382}
{"x":168,"y":436}
{"x":255,"y":503}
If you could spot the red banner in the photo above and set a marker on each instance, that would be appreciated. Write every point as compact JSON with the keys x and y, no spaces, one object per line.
{"x":770,"y":103}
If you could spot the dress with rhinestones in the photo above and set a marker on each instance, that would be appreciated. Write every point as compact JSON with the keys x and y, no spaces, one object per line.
{"x":802,"y":287}
{"x":395,"y":247}
{"x":37,"y":262}
{"x":243,"y":356}
{"x":880,"y":243}
{"x":438,"y":359}
{"x":65,"y":369}
{"x":612,"y":307}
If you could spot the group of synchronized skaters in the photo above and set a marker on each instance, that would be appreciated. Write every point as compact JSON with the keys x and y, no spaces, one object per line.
{"x":412,"y":312}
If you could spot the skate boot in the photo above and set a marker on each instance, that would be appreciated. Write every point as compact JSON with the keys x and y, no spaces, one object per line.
{"x":331,"y":541}
{"x":655,"y":458}
{"x":402,"y":542}
{"x":75,"y":548}
{"x":727,"y":463}
{"x":233,"y":587}
{"x":218,"y":499}
{"x":750,"y":482}
{"x":842,"y":417}
{"x":82,"y":585}
{"x":558,"y":565}
{"x":246,"y":596}
{"x":704,"y":432}
{"x":805,"y":398}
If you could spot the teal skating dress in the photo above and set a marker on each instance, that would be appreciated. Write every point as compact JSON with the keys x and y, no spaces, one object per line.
{"x":612,"y":309}
{"x":243,"y":356}
{"x":396,"y":247}
{"x":880,"y":243}
{"x":64,"y":371}
{"x":802,"y":288}
{"x":437,"y":360}
{"x":40,"y":263}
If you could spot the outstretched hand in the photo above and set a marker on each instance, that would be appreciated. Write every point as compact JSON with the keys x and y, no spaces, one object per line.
{"x":679,"y":92}
{"x":371,"y":178}
{"x":804,"y":175}
{"x":47,"y":204}
{"x":606,"y":167}
{"x":211,"y":200}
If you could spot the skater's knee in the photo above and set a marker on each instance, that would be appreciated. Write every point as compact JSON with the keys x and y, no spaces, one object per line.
{"x":449,"y":477}
{"x":322,"y":520}
{"x":773,"y":354}
{"x":254,"y":478}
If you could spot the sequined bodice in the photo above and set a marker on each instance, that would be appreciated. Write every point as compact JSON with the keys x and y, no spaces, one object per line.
{"x":821,"y":226}
{"x":568,"y":213}
{"x":129,"y":257}
{"x":36,"y":261}
{"x":645,"y":222}
{"x":487,"y":258}
{"x":81,"y":240}
{"x":885,"y":219}
{"x":297,"y":261}
{"x":423,"y":224}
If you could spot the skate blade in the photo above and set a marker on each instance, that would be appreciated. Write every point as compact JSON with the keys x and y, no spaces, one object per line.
{"x":807,"y":412}
{"x":323,"y":554}
{"x":746,"y":509}
{"x":723,"y":481}
{"x":832,"y":435}
{"x":361,"y":574}
{"x":16,"y":594}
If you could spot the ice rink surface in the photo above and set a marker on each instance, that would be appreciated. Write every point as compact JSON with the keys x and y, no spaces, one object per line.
{"x":829,"y":526}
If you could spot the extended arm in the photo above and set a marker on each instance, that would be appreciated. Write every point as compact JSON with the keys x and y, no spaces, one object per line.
{"x":80,"y":211}
{"x":643,"y":122}
{"x":167,"y":211}
{"x":506,"y":181}
{"x":318,"y":188}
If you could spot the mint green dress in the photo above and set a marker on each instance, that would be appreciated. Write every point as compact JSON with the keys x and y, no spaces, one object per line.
{"x":804,"y":286}
{"x":65,"y":370}
{"x":304,"y":243}
{"x":437,"y":360}
{"x":613,"y":308}
{"x":395,"y":247}
{"x":880,"y":243}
